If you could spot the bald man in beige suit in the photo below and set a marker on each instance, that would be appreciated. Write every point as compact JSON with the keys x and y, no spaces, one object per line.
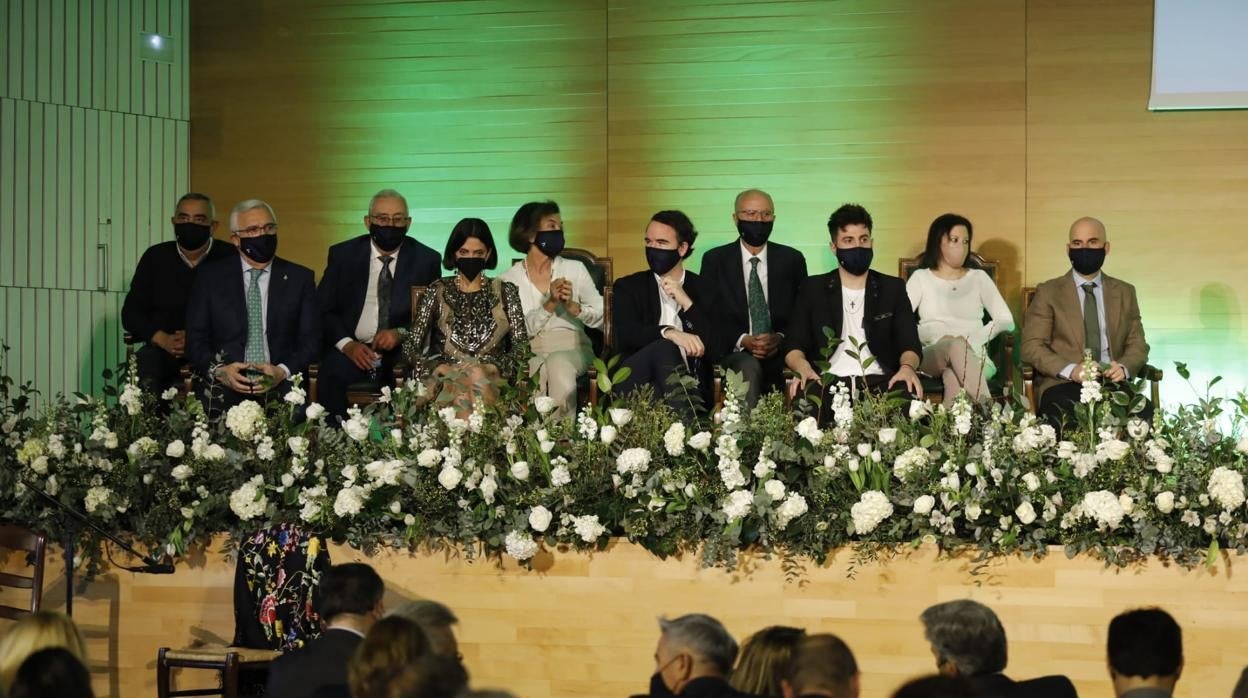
{"x":1082,"y":310}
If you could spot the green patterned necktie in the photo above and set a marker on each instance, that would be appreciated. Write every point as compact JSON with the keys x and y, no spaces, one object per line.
{"x":1091,"y":321}
{"x":760,"y":317}
{"x":254,"y":353}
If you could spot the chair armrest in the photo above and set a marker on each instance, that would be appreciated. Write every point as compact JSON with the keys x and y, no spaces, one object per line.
{"x":1152,"y":373}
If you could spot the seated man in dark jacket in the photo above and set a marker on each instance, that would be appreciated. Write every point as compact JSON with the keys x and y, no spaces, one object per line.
{"x":868,"y":312}
{"x":694,"y":658}
{"x":969,"y":641}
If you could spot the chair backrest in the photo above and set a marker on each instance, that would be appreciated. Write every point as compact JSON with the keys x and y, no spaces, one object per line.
{"x":418,"y":292}
{"x":907,"y":265}
{"x":20,"y":539}
{"x":275,"y":578}
{"x":1029,"y":292}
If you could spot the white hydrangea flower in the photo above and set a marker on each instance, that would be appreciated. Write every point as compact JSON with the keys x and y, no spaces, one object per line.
{"x":1084,"y":464}
{"x":520,"y":545}
{"x":1025,"y":512}
{"x":632,"y":460}
{"x":700,"y":441}
{"x":450,"y":477}
{"x":774,"y":489}
{"x":792,"y":507}
{"x":1103,"y":507}
{"x":539,"y":518}
{"x":181,"y":472}
{"x":265,"y":450}
{"x":39,"y":464}
{"x":560,"y":476}
{"x":1226,"y":487}
{"x":674,"y":439}
{"x":295,"y":396}
{"x":429,"y":457}
{"x":350,"y":501}
{"x":620,"y":416}
{"x":544,"y":404}
{"x":1164,"y":501}
{"x":96,"y":498}
{"x":924,"y":504}
{"x":588,"y":528}
{"x":869,"y":511}
{"x":245,"y":420}
{"x":607,"y":434}
{"x":910,"y":460}
{"x":809,"y":429}
{"x":737,"y":504}
{"x":520,"y":470}
{"x":249,"y":501}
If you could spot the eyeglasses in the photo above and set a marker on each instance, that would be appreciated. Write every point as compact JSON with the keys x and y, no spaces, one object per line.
{"x":396,"y":219}
{"x":257,"y":230}
{"x":201,"y":219}
{"x":752,"y":214}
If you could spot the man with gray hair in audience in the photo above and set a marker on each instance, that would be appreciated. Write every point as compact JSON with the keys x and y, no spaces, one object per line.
{"x":968,"y":640}
{"x":435,"y":620}
{"x":822,"y":665}
{"x":694,"y":658}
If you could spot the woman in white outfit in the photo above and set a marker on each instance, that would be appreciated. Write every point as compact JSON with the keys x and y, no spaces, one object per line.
{"x":559,"y":300}
{"x":950,"y":294}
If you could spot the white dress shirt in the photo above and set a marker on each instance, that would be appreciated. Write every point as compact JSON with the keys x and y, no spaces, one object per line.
{"x":366,"y":326}
{"x":264,"y":304}
{"x":1099,"y":294}
{"x":853,"y":308}
{"x":584,"y":294}
{"x":669,"y":309}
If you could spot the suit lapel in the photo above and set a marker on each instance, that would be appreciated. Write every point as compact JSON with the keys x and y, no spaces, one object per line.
{"x":652,"y":300}
{"x":834,"y":309}
{"x":361,"y":259}
{"x":1070,"y":310}
{"x":736,"y":281}
{"x":1113,"y":294}
{"x":277,"y":294}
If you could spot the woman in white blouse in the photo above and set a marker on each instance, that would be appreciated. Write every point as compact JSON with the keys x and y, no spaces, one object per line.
{"x":950,"y":294}
{"x":559,"y":299}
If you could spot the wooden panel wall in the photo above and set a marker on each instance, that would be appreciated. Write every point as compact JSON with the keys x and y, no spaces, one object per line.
{"x":93,"y":153}
{"x":586,"y":625}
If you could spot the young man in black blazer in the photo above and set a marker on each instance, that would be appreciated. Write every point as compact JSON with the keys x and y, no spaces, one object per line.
{"x":365,"y":296}
{"x":661,"y":315}
{"x":860,"y":306}
{"x":755,"y":282}
{"x":255,"y":311}
{"x":155,"y":309}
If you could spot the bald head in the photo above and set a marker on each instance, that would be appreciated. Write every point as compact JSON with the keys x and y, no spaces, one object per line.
{"x":756,"y":199}
{"x":1087,"y":229}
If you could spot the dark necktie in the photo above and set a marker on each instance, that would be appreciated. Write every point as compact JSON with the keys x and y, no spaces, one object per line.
{"x":253,"y":351}
{"x":384,"y":283}
{"x":1091,"y":321}
{"x":760,"y":317}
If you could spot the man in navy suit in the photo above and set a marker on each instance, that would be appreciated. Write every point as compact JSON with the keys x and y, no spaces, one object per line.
{"x":366,"y":299}
{"x":661,"y":317}
{"x":755,"y":282}
{"x":252,"y":321}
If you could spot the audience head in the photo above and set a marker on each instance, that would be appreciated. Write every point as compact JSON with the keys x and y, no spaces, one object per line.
{"x":253,"y":229}
{"x":430,"y":676}
{"x":669,"y":239}
{"x":470,"y":249}
{"x":850,"y":228}
{"x":949,"y":240}
{"x":1241,"y":688}
{"x":937,"y":686}
{"x":1088,"y":245}
{"x":690,"y":647}
{"x":436,"y":621}
{"x":531,"y":219}
{"x":1145,"y":650}
{"x":764,"y":659}
{"x":194,"y":219}
{"x":822,"y":665}
{"x":350,"y":594}
{"x":54,"y":672}
{"x":391,"y":644}
{"x":37,"y":631}
{"x":966,"y":637}
{"x":754,"y":214}
{"x":387,"y":220}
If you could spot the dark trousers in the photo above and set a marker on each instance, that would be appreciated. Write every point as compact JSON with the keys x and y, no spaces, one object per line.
{"x":876,"y":385}
{"x":654,"y":363}
{"x":1058,"y":403}
{"x":157,"y":368}
{"x":761,"y":375}
{"x":336,"y":373}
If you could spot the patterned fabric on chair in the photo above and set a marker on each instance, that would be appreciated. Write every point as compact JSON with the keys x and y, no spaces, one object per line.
{"x":277,"y":573}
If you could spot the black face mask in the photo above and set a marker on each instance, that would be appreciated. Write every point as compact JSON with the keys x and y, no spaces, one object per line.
{"x":550,"y":242}
{"x":191,"y":236}
{"x":661,"y":261}
{"x":470,"y":267}
{"x":1087,"y":260}
{"x":387,"y":238}
{"x":259,"y":249}
{"x":855,"y":260}
{"x":755,"y":233}
{"x":658,"y":689}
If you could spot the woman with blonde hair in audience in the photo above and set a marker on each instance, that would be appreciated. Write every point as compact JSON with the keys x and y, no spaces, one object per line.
{"x":37,"y":631}
{"x":950,"y":294}
{"x":391,"y":644}
{"x":764,"y":659}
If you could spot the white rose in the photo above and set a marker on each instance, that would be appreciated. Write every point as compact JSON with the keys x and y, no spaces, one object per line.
{"x":428,"y":458}
{"x":972,"y":512}
{"x":450,"y":477}
{"x":315,"y":411}
{"x":700,"y":441}
{"x":520,"y":470}
{"x":544,"y":404}
{"x":1032,"y":481}
{"x":1126,"y":502}
{"x":181,"y":472}
{"x":775,"y":489}
{"x":1025,"y":513}
{"x":923,"y":504}
{"x":607,"y":434}
{"x":539,"y":518}
{"x":1164,"y":502}
{"x":888,"y":436}
{"x":620,"y":416}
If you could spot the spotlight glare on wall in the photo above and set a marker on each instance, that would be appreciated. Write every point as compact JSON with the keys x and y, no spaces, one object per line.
{"x":155,"y":47}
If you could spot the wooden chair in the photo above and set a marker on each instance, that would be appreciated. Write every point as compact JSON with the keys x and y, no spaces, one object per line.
{"x":20,"y":539}
{"x":1001,"y":348}
{"x":1150,"y":373}
{"x":229,"y":662}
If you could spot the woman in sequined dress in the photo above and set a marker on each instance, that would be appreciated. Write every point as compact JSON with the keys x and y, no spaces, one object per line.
{"x":468,"y":335}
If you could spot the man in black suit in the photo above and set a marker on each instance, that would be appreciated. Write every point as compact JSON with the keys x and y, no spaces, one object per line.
{"x":694,"y":658}
{"x":661,"y":316}
{"x":155,"y":309}
{"x":252,"y":322}
{"x":349,"y":601}
{"x":1145,"y":648}
{"x":822,"y":665}
{"x":755,"y":283}
{"x":968,"y":641}
{"x":366,"y":299}
{"x":868,"y":313}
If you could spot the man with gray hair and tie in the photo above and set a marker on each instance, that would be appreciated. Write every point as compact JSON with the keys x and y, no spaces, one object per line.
{"x":694,"y":658}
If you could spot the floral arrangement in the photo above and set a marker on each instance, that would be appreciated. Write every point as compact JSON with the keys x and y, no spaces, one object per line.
{"x":512,"y":479}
